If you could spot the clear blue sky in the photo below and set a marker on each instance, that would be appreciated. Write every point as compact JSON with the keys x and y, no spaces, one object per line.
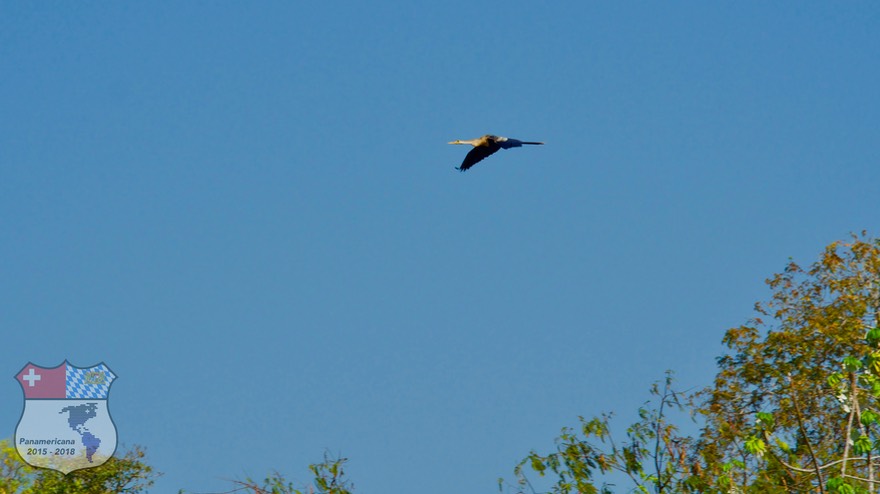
{"x":249,"y":211}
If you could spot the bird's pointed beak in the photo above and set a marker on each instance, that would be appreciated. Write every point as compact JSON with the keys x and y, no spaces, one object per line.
{"x":455,"y":142}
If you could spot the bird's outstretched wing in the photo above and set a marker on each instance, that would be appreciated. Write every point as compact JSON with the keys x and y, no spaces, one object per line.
{"x":476,"y":155}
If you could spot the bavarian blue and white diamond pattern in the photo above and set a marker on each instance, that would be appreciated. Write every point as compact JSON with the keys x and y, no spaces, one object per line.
{"x":92,"y":382}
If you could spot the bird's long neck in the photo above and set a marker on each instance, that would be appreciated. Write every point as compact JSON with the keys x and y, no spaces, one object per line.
{"x":472,"y":142}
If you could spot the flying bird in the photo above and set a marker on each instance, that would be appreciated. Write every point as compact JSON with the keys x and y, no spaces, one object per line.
{"x":486,"y":146}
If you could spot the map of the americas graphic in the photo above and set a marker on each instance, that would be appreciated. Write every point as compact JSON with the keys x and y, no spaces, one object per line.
{"x":77,"y":416}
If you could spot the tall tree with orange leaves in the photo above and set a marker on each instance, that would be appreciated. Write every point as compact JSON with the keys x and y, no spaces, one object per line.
{"x":794,"y":407}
